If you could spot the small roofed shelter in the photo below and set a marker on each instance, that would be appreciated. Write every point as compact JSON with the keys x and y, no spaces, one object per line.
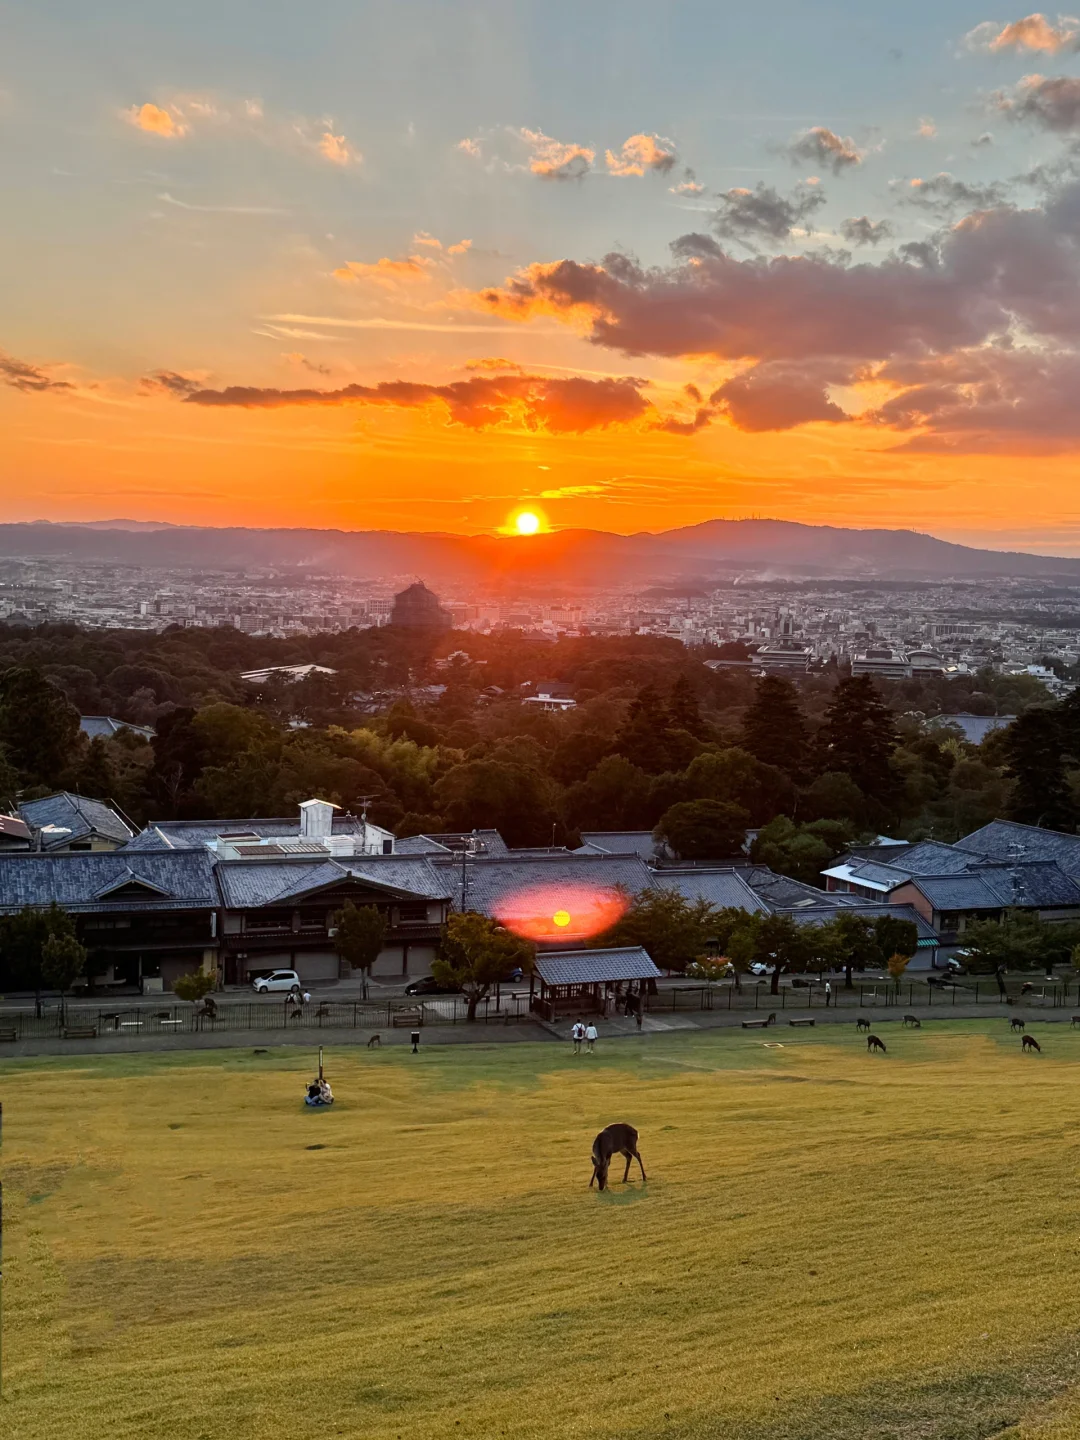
{"x":582,"y":982}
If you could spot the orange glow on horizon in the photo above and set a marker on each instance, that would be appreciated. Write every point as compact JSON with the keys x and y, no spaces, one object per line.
{"x":561,"y":912}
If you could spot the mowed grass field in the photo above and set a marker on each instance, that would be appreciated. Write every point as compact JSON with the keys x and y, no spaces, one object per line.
{"x":828,"y":1245}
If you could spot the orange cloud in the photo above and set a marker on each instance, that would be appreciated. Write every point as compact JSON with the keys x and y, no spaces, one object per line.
{"x":386,"y":272}
{"x":641,"y":153}
{"x":1033,"y":32}
{"x":337,"y":149}
{"x":155,"y":121}
{"x":553,"y":160}
{"x":31,"y":379}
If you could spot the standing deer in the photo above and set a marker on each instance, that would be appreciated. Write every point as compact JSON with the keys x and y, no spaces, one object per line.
{"x":873,"y":1043}
{"x":1016,"y":1023}
{"x":614,"y":1140}
{"x":1030,"y":1043}
{"x":862,"y":1023}
{"x":913,"y":1020}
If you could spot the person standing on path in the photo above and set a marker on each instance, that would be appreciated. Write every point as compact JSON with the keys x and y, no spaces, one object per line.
{"x":590,"y":1037}
{"x":828,"y":994}
{"x":577,"y":1034}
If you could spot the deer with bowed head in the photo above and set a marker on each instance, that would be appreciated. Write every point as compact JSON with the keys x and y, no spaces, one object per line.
{"x":614,"y":1140}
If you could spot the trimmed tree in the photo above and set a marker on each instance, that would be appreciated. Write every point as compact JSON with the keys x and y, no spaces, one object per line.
{"x":195,"y":985}
{"x":360,"y":934}
{"x":63,"y":959}
{"x":476,"y":954}
{"x":703,"y":829}
{"x":674,"y":930}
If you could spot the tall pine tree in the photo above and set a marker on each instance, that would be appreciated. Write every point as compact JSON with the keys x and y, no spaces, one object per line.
{"x":774,"y":728}
{"x":858,"y":738}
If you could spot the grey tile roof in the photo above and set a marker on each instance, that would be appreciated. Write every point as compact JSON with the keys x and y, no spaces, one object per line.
{"x":975,"y":727}
{"x":722,"y":888}
{"x":82,"y":882}
{"x":593,"y":967}
{"x":247,"y":883}
{"x":621,"y":842}
{"x":1042,"y":883}
{"x":1006,"y":840}
{"x":491,"y":841}
{"x":106,"y":726}
{"x":76,"y":814}
{"x":870,"y":911}
{"x":530,"y":889}
{"x":781,"y":892}
{"x":958,"y":892}
{"x":195,"y":834}
{"x":420,"y":845}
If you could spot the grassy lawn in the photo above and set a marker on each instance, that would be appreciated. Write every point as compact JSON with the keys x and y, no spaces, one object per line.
{"x":828,"y":1245}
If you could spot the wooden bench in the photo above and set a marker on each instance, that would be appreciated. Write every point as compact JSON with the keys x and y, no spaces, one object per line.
{"x":800,"y":1022}
{"x":755,"y":1024}
{"x":80,"y":1032}
{"x":9,"y":1034}
{"x":401,"y":1018}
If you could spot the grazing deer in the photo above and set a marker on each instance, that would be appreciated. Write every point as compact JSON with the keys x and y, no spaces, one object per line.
{"x":614,"y":1140}
{"x":873,"y":1043}
{"x":1016,"y":1024}
{"x":862,"y":1023}
{"x":1030,"y":1043}
{"x":913,"y":1020}
{"x":375,"y":1040}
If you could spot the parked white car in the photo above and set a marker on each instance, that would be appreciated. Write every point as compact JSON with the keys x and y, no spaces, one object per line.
{"x":280,"y":980}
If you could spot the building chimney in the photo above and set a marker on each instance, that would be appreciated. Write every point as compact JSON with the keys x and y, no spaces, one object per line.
{"x":316,"y":819}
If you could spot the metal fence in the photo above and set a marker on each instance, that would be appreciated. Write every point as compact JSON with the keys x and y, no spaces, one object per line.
{"x":86,"y":1022}
{"x":1046,"y":995}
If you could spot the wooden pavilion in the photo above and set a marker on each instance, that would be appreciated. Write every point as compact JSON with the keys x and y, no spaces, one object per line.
{"x":583,"y":982}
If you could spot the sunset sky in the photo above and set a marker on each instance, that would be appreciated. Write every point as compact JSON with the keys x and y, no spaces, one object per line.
{"x":418,"y":265}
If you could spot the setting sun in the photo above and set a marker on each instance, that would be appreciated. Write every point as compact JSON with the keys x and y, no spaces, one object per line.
{"x":527,"y":523}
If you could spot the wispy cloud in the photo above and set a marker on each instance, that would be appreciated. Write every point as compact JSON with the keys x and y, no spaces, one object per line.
{"x":387,"y":273}
{"x":31,"y":379}
{"x":168,"y":199}
{"x":337,"y":149}
{"x":182,"y":115}
{"x":552,"y":159}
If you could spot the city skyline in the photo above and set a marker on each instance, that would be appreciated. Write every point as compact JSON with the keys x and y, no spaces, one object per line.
{"x":428,"y":268}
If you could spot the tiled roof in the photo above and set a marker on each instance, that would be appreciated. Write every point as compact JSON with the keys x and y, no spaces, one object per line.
{"x":77,"y":815}
{"x":84,"y":882}
{"x":621,"y":842}
{"x":195,"y":834}
{"x":593,"y":967}
{"x":245,"y":883}
{"x":1006,"y":840}
{"x":1042,"y":883}
{"x":722,"y":888}
{"x":491,"y":842}
{"x":958,"y":892}
{"x":867,"y":910}
{"x":106,"y":726}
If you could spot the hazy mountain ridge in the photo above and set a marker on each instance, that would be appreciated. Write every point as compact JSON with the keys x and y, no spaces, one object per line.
{"x":714,"y":549}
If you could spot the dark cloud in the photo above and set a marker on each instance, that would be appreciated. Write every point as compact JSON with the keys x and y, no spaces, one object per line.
{"x":1052,"y":103}
{"x":170,"y":382}
{"x":779,"y":396}
{"x":763,"y":215}
{"x":861,"y":230}
{"x":570,"y":405}
{"x":31,"y":379}
{"x":823,"y":147}
{"x":944,"y":194}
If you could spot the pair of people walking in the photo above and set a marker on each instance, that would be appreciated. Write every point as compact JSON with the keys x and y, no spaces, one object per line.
{"x":584,"y":1034}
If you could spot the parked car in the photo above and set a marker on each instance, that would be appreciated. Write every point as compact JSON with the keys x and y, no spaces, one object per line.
{"x":760,"y":968}
{"x":277,"y":980}
{"x":428,"y":985}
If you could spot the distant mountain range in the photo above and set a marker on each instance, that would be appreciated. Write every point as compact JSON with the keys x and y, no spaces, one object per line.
{"x":578,"y":559}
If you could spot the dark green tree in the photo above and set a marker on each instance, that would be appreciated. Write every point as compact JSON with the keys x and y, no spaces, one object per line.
{"x":514,"y":799}
{"x":774,"y":727}
{"x":674,"y":930}
{"x":39,"y":726}
{"x":684,"y":711}
{"x":772,"y":940}
{"x":359,"y":936}
{"x":1034,"y":747}
{"x":858,"y":738}
{"x":642,"y":738}
{"x":801,"y":851}
{"x":703,"y":829}
{"x":476,"y":954}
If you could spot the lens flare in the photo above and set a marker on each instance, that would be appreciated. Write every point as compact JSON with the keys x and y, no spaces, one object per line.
{"x":563,"y":912}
